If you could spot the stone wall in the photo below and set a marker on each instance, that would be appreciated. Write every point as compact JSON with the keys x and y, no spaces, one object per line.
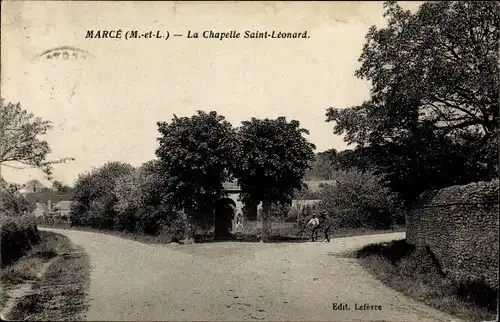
{"x":459,"y":225}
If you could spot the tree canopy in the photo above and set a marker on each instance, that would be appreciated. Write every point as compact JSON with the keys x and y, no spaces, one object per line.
{"x":323,"y":166}
{"x":94,"y":198}
{"x":19,"y":139}
{"x":432,"y":118}
{"x":140,"y":205}
{"x":60,"y":187}
{"x":327,"y":163}
{"x":273,"y":157}
{"x":196,"y":155}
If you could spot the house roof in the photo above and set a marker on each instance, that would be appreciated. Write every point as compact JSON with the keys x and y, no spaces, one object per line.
{"x":25,"y":191}
{"x":64,"y":205}
{"x":45,"y":196}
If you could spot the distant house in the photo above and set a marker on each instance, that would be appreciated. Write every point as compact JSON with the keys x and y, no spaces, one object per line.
{"x":48,"y":202}
{"x":62,"y":208}
{"x":41,"y":210}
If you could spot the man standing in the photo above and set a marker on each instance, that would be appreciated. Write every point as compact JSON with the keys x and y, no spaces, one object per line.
{"x":327,"y":225}
{"x":314,"y":223}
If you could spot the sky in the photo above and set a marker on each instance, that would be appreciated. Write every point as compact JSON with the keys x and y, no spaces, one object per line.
{"x":105,"y":108}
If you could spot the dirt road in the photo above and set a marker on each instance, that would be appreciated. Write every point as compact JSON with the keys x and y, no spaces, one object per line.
{"x":239,"y":281}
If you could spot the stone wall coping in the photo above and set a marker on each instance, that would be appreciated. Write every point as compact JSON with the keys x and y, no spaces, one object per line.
{"x":458,"y":203}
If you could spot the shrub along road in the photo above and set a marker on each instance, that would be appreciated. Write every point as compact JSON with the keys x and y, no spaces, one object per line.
{"x":239,"y":281}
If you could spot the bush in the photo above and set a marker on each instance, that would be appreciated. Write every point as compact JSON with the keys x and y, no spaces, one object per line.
{"x":360,"y":200}
{"x":478,"y":292}
{"x":17,"y":236}
{"x":154,"y":220}
{"x":279,"y":212}
{"x":94,"y":198}
{"x":140,"y":206}
{"x":292,"y":215}
{"x":175,"y":229}
{"x":306,"y":194}
{"x":119,"y":197}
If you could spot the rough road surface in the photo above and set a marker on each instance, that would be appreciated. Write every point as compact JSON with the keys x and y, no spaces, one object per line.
{"x":238,"y":281}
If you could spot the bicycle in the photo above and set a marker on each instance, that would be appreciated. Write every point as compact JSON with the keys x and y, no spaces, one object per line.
{"x":304,"y":234}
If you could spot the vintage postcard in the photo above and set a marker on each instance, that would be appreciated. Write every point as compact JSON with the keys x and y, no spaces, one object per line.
{"x":249,"y":160}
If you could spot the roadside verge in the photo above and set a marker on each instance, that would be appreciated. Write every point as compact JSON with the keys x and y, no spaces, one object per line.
{"x":49,"y":283}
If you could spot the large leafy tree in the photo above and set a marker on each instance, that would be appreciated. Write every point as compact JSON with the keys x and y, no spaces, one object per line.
{"x":196,"y":154}
{"x":322,"y":167}
{"x":20,"y":145}
{"x":353,"y":159}
{"x":432,"y":119}
{"x":140,"y":204}
{"x":94,"y":198}
{"x":273,"y":157}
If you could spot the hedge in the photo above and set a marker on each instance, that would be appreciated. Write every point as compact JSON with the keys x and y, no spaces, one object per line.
{"x":17,"y":237}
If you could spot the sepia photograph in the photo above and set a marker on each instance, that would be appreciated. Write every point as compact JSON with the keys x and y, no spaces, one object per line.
{"x":249,"y":161}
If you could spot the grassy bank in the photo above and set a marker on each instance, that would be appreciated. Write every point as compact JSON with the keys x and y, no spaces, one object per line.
{"x":58,"y":273}
{"x":18,"y":236}
{"x":280,"y":232}
{"x":414,"y":272}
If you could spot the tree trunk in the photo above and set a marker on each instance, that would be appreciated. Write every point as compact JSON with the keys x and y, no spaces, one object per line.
{"x":190,"y":229}
{"x":250,"y":211}
{"x":298,"y":206}
{"x":266,"y":221}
